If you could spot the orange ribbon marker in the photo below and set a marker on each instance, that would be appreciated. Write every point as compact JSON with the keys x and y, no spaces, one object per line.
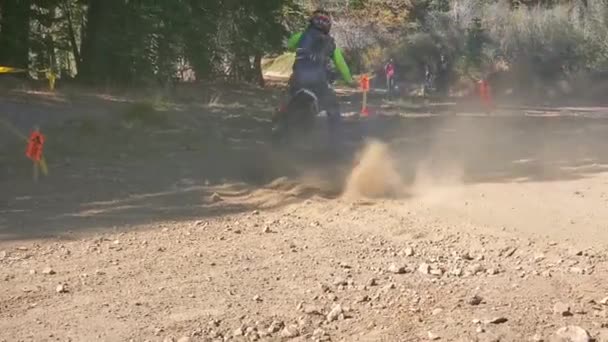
{"x":34,"y":146}
{"x":33,"y":151}
{"x":364,"y":85}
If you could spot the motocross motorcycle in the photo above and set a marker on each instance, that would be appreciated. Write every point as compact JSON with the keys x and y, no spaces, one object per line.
{"x":297,"y":118}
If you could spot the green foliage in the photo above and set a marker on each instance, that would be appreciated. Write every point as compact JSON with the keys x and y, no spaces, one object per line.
{"x":129,"y":42}
{"x":435,"y":35}
{"x":357,"y":4}
{"x":14,"y":28}
{"x":544,"y":42}
{"x":475,"y":41}
{"x":142,"y":41}
{"x":439,"y":5}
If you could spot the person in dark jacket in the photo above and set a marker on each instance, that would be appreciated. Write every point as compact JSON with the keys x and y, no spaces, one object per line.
{"x":315,"y":49}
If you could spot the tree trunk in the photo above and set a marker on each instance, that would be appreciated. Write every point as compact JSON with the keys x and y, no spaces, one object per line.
{"x":15,"y":33}
{"x":50,"y":43}
{"x":102,"y":41}
{"x":257,"y":65}
{"x":72,"y":34}
{"x":90,"y":40}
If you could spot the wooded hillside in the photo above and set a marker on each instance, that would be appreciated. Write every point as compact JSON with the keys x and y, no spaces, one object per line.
{"x":145,"y":42}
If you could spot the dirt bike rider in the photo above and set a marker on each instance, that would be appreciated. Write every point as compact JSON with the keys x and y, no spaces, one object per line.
{"x":315,"y":48}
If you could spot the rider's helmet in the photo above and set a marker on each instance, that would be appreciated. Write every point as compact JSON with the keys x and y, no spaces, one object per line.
{"x":321,"y":20}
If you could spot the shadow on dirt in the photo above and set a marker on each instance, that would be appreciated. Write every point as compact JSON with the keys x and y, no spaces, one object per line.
{"x":108,"y":174}
{"x":499,"y":149}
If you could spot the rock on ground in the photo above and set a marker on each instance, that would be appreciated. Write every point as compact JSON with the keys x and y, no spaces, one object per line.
{"x":571,"y":334}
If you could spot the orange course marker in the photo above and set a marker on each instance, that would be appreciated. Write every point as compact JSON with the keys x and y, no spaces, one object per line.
{"x":364,"y":85}
{"x":34,"y":146}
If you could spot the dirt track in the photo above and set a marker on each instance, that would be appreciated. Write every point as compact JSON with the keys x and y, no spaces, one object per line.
{"x":182,"y":230}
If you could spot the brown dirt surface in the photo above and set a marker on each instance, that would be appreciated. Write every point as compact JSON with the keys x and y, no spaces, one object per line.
{"x":174,"y":220}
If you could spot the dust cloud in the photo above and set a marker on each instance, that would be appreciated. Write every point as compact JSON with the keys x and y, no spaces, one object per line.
{"x":375,"y":175}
